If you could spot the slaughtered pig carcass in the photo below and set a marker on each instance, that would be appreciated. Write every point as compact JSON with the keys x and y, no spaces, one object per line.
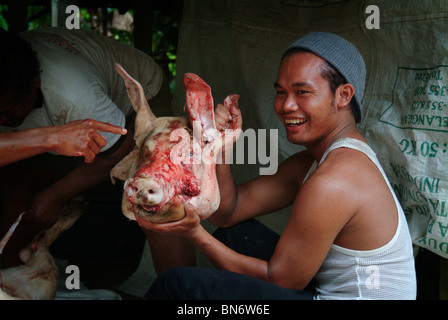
{"x":175,"y":158}
{"x":37,"y":278}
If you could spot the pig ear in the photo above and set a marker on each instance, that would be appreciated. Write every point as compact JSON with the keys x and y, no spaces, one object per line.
{"x":199,"y":103}
{"x":145,"y":119}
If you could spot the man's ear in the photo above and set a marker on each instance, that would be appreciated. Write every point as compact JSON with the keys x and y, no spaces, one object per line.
{"x":344,"y":94}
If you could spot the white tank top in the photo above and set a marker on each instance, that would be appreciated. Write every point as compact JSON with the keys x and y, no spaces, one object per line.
{"x":385,"y":273}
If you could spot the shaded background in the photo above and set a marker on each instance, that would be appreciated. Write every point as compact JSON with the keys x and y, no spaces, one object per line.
{"x":235,"y":46}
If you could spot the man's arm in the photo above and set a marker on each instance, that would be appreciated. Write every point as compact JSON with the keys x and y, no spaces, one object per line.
{"x":302,"y":248}
{"x":262,"y":195}
{"x":320,"y":211}
{"x":47,"y":203}
{"x":76,"y":138}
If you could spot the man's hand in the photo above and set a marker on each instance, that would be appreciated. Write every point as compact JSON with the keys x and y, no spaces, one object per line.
{"x":82,"y":138}
{"x":227,"y":117}
{"x":229,"y":122}
{"x":186,"y":227}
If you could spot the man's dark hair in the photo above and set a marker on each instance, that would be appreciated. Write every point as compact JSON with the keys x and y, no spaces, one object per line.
{"x":19,"y":65}
{"x":334,"y":77}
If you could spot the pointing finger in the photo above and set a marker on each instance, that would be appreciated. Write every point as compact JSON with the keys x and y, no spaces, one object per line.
{"x":107,"y":127}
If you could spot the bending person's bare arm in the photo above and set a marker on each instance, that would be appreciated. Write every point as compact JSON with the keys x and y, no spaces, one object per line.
{"x":76,"y":138}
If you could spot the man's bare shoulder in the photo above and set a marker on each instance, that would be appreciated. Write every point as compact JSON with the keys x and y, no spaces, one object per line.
{"x":296,"y":166}
{"x":352,"y":194}
{"x":345,"y":174}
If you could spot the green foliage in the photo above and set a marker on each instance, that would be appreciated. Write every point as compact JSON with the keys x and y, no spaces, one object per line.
{"x":3,"y":23}
{"x":38,"y":17}
{"x":164,"y":39}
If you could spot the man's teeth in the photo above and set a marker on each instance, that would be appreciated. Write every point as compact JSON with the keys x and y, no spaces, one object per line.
{"x":293,"y":122}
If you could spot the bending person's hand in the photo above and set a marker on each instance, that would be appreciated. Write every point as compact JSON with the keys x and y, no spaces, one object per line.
{"x":82,"y":138}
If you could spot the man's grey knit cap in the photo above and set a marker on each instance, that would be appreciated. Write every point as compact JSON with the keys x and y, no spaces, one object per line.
{"x":341,"y":54}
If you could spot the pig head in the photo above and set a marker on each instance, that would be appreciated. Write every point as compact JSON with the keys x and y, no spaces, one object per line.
{"x":174,"y":160}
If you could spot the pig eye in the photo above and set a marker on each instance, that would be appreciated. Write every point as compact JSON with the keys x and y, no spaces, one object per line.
{"x":146,"y":153}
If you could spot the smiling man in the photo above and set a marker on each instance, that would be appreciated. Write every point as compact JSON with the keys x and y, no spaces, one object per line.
{"x":347,"y":230}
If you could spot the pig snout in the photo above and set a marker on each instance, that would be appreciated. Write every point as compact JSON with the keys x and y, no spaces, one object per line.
{"x":144,"y":191}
